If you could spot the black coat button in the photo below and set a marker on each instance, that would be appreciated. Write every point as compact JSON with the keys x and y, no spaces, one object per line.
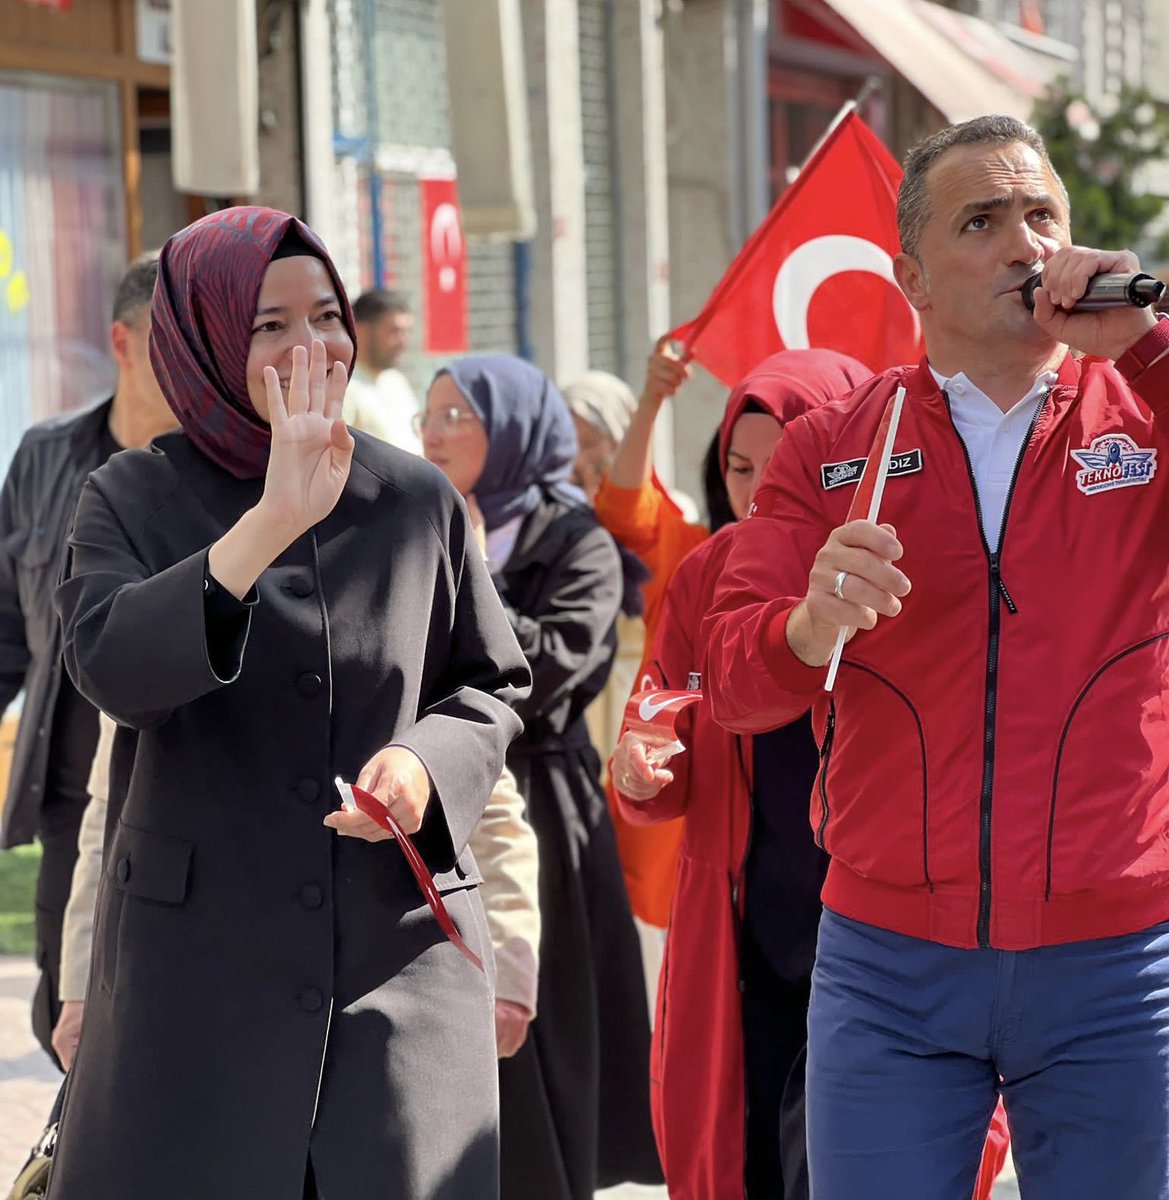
{"x":122,"y":870}
{"x":311,"y":895}
{"x":308,"y":790}
{"x":301,"y":585}
{"x":309,"y":684}
{"x":311,"y":1000}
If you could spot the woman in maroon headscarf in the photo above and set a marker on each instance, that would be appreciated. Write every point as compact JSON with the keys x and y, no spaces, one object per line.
{"x":726,"y":1083}
{"x":264,"y":601}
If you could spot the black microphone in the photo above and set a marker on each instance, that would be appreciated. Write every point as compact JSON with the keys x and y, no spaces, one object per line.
{"x":1106,"y":291}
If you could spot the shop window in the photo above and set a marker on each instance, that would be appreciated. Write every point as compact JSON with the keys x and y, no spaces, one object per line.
{"x":62,"y":246}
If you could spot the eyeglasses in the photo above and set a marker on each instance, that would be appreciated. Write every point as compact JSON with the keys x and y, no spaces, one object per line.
{"x":445,"y":420}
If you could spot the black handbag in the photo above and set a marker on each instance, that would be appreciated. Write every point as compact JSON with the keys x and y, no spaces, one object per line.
{"x":32,"y":1183}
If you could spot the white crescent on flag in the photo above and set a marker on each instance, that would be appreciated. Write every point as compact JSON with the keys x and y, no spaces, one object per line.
{"x":810,"y":265}
{"x":446,"y":244}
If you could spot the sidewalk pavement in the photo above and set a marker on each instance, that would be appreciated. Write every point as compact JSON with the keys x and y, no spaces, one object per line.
{"x":29,"y":1082}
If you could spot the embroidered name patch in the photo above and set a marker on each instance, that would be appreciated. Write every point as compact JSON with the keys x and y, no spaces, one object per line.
{"x":840,"y":474}
{"x":1113,"y":460}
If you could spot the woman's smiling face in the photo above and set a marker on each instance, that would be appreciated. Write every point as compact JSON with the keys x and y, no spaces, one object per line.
{"x":298,"y":304}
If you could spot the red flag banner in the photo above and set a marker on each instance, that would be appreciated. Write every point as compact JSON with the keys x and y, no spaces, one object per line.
{"x":818,"y":272}
{"x":444,"y":255}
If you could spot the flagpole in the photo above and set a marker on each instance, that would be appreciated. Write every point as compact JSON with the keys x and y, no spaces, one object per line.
{"x":849,"y":106}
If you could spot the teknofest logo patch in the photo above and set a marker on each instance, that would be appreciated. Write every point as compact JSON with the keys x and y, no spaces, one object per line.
{"x":1113,"y":460}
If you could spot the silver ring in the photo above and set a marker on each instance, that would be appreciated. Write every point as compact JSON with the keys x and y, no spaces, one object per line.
{"x":838,"y":586}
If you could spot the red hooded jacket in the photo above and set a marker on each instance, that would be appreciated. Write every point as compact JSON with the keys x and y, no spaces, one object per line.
{"x":697,"y":1084}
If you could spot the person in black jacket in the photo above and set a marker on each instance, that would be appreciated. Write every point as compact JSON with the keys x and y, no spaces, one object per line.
{"x":57,"y":734}
{"x":264,"y":602}
{"x":574,"y":1101}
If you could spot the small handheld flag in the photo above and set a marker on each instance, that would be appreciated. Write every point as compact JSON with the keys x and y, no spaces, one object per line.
{"x":652,"y":714}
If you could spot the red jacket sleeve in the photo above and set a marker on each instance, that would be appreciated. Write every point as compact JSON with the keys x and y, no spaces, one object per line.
{"x":754,"y":681}
{"x":1151,"y":383}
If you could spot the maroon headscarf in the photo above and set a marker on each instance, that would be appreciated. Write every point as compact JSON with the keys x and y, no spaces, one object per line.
{"x":209,"y":278}
{"x":787,"y":385}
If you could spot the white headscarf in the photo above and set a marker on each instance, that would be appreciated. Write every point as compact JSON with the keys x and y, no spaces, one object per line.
{"x":603,"y":401}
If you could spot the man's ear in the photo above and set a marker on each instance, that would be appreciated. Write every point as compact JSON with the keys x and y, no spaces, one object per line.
{"x":911,"y":279}
{"x":120,"y":334}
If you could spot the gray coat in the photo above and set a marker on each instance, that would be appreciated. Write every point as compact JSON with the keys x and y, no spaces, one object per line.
{"x":263,"y":990}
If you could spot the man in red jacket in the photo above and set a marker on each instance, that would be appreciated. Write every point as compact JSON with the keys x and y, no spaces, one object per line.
{"x":994,"y":779}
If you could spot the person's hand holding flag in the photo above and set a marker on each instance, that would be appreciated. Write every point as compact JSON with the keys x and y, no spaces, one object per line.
{"x":854,"y":580}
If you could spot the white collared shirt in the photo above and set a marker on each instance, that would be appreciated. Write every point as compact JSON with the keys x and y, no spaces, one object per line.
{"x":993,"y":438}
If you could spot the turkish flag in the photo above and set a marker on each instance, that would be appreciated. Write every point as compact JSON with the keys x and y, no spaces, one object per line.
{"x":444,"y":254}
{"x":818,"y":273}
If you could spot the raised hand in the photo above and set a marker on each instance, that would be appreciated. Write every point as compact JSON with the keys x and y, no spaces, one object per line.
{"x":312,"y":450}
{"x":665,"y":373}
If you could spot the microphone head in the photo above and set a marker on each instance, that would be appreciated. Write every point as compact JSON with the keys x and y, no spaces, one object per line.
{"x":1027,"y":291}
{"x":1146,"y":290}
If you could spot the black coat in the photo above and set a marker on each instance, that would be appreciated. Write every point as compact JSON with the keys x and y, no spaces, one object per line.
{"x":261,"y":988}
{"x":575,"y":1100}
{"x":40,"y":493}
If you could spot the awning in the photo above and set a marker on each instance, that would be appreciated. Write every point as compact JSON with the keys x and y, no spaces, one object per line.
{"x":962,"y":65}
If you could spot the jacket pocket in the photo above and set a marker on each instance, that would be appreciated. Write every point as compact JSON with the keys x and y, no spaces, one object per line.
{"x":822,"y":775}
{"x":151,"y":866}
{"x":38,"y":557}
{"x":148,"y":866}
{"x":1106,"y":817}
{"x":870,"y":804}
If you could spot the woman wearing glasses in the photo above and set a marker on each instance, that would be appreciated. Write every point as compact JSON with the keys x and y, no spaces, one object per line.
{"x":264,"y":601}
{"x":574,"y":1104}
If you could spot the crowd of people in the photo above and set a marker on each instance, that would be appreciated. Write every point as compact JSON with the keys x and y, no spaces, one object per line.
{"x":873,"y":917}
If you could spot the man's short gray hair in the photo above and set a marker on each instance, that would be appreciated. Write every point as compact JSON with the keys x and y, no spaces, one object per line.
{"x":136,"y":288}
{"x":913,"y":202}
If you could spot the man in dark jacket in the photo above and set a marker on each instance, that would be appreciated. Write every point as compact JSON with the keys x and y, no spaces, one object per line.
{"x":57,"y":734}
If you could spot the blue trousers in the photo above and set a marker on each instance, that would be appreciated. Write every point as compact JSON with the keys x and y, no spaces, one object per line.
{"x":910,"y":1043}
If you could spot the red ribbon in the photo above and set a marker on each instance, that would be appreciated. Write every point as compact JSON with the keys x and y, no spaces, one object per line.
{"x":380,"y":815}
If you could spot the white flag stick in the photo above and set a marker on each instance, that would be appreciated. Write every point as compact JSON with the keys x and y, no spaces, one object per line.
{"x":874,"y":510}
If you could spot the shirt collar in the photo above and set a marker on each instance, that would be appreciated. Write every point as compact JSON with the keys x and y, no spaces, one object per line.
{"x":973,"y":402}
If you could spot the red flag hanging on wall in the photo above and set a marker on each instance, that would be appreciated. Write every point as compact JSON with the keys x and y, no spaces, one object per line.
{"x":818,"y":272}
{"x":444,"y":254}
